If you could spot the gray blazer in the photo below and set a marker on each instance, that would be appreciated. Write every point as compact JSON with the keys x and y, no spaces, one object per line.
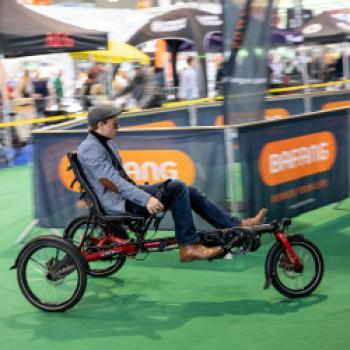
{"x":97,"y":164}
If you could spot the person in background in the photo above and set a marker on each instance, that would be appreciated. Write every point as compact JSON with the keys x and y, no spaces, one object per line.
{"x":41,"y":92}
{"x":218,"y":81}
{"x":25,"y":86}
{"x":98,"y":94}
{"x":96,"y":72}
{"x":152,"y":96}
{"x":188,"y":82}
{"x":120,"y":81}
{"x":145,"y":88}
{"x":160,"y":76}
{"x":86,"y":91}
{"x":58,"y":87}
{"x":136,"y":86}
{"x":7,"y":154}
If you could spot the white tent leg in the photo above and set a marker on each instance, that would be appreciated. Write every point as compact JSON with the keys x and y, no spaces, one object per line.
{"x":30,"y":227}
{"x":26,"y":231}
{"x":5,"y":102}
{"x":345,"y":55}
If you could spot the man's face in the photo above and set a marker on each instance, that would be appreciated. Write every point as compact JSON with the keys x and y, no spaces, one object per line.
{"x":109,"y":127}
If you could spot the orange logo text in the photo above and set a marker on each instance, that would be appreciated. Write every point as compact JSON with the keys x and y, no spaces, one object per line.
{"x":297,"y":157}
{"x":142,"y":166}
{"x":153,"y":166}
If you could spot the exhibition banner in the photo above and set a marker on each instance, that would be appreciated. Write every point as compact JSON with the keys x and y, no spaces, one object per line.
{"x":207,"y":115}
{"x":294,"y":165}
{"x":196,"y":157}
{"x":155,"y":118}
{"x":212,"y":114}
{"x":326,"y":102}
{"x":280,"y":108}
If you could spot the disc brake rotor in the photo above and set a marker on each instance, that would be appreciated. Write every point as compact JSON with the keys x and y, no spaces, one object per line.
{"x":289,"y":268}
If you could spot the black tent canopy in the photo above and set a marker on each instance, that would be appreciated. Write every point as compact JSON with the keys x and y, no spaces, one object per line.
{"x":325,"y":29}
{"x":24,"y":33}
{"x":176,"y":26}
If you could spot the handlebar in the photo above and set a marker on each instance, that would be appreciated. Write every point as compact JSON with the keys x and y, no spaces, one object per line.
{"x":158,"y":217}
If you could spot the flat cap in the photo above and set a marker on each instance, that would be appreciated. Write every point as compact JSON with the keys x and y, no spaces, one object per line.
{"x":101,"y":112}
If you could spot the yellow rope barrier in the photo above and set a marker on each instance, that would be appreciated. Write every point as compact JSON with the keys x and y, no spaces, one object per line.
{"x":302,"y":87}
{"x":42,"y":120}
{"x":168,"y":104}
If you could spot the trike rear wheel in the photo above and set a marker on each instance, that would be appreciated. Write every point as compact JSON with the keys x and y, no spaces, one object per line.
{"x":74,"y":233}
{"x":51,"y":274}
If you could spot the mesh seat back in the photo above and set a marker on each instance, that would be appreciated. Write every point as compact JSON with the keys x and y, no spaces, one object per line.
{"x":88,"y":194}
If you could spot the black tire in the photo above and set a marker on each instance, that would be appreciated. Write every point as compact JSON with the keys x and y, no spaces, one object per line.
{"x":66,"y":255}
{"x":282,"y":273}
{"x":72,"y":234}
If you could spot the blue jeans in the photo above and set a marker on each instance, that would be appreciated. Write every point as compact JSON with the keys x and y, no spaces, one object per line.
{"x":181,"y":199}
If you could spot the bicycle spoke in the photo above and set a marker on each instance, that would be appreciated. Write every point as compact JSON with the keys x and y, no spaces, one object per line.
{"x":37,"y":262}
{"x":50,"y":288}
{"x":290,"y":277}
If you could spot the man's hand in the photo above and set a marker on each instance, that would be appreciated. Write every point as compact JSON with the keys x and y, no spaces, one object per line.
{"x":154,"y":205}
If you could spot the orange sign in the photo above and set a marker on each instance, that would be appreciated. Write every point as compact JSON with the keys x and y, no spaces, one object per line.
{"x":219,"y":120}
{"x":297,"y":157}
{"x":67,"y":176}
{"x":142,"y":166}
{"x":162,"y":124}
{"x":154,"y":166}
{"x":337,"y":104}
{"x":276,"y":113}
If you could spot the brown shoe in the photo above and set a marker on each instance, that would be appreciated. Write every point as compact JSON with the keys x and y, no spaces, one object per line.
{"x":198,"y":252}
{"x":257,"y":220}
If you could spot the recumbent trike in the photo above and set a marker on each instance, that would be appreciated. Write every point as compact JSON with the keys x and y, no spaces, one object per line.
{"x":52,"y":271}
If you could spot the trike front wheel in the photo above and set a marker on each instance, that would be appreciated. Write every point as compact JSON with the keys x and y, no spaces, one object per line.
{"x":288,"y":278}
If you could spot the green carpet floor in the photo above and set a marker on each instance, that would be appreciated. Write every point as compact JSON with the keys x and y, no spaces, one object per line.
{"x":162,"y":304}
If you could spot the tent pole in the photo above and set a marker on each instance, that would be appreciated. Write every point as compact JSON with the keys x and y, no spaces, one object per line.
{"x":5,"y":102}
{"x":304,"y":65}
{"x":345,"y":62}
{"x":203,"y":79}
{"x":173,"y":47}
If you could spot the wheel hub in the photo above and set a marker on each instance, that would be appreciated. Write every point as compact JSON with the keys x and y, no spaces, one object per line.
{"x":290,"y":269}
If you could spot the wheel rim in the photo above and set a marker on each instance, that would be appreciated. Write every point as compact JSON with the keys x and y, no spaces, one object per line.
{"x":51,"y":276}
{"x":89,"y":245}
{"x":288,"y":274}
